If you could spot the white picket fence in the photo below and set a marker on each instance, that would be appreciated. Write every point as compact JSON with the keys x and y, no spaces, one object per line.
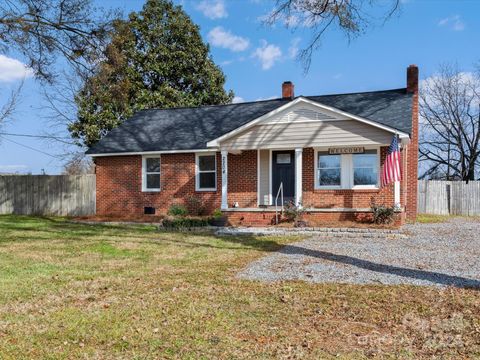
{"x":449,"y":197}
{"x":64,"y":195}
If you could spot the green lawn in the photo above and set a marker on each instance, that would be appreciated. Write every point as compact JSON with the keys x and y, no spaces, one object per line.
{"x":111,"y":292}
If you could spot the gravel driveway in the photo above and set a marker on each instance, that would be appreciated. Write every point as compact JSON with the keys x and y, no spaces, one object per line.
{"x":442,"y":254}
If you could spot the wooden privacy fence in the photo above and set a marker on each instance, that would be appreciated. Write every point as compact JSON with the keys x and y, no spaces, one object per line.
{"x":74,"y":195}
{"x":65,"y":195}
{"x":449,"y":197}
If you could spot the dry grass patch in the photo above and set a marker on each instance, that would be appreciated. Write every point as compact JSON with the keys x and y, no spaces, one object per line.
{"x":430,"y":218}
{"x":117,"y":292}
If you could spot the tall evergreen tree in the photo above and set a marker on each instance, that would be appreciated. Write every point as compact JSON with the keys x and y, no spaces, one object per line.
{"x":156,"y":59}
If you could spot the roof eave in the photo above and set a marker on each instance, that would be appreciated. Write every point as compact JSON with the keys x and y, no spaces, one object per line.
{"x":155,"y":152}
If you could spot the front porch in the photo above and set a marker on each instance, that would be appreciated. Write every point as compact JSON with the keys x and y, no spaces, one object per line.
{"x":277,"y":179}
{"x":333,"y":217}
{"x":250,"y":185}
{"x":317,"y":157}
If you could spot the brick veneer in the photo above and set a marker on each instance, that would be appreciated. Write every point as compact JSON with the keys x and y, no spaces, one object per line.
{"x":119,"y":188}
{"x":119,"y":183}
{"x":341,"y":198}
{"x":265,"y":218}
{"x":242,"y":179}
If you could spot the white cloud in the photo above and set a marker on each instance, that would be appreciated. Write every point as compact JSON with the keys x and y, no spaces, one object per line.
{"x":291,"y":21}
{"x":293,"y":49}
{"x":337,"y":76}
{"x":266,"y":98}
{"x":12,"y":69}
{"x":268,"y":54}
{"x":220,"y":37}
{"x":213,"y":9}
{"x":238,"y":99}
{"x":454,"y":22}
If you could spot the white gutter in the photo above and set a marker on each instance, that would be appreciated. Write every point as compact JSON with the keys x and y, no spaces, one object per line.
{"x":152,"y":152}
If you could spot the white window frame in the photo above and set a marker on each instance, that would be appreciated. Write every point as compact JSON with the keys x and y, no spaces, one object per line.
{"x":376,"y":186}
{"x":198,"y":172}
{"x":144,"y":173}
{"x":346,"y":172}
{"x":317,"y":179}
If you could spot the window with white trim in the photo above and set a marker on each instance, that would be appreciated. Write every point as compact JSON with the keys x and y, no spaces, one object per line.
{"x":347,"y":171}
{"x":329,"y":170}
{"x":151,"y":170}
{"x":365,"y":169}
{"x":206,"y":172}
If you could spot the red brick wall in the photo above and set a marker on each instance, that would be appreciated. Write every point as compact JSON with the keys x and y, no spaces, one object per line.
{"x":242,"y":179}
{"x":266,"y":218}
{"x":341,"y":198}
{"x":119,"y":185}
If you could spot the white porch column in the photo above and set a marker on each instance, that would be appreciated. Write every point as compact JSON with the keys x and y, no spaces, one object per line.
{"x":224,"y":179}
{"x":396,"y":196}
{"x":298,"y":176}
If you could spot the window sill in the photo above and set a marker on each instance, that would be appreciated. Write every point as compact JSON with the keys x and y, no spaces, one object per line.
{"x":365,"y":188}
{"x":328,"y":188}
{"x":151,"y":190}
{"x":373,"y":190}
{"x":206,"y":190}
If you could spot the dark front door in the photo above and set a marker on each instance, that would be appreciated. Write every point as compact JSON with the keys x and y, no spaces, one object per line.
{"x":283,"y":171}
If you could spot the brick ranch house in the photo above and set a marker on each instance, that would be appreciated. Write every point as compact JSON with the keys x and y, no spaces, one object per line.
{"x":327,"y":151}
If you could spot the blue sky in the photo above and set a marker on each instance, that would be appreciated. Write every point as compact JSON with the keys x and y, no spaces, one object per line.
{"x":257,"y":59}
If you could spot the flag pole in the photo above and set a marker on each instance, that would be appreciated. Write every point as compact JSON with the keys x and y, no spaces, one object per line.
{"x":396,"y":185}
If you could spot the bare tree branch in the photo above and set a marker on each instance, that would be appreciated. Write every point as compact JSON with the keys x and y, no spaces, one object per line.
{"x":450,"y":124}
{"x":10,"y":106}
{"x":352,"y":17}
{"x":43,"y":30}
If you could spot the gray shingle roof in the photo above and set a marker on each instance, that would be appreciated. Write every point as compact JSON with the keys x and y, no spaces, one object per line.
{"x":192,"y":128}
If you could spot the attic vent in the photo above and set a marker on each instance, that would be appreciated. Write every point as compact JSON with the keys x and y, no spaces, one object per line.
{"x":307,"y":114}
{"x":148,"y":210}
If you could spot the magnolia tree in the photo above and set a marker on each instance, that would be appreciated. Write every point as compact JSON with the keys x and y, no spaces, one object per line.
{"x":155,"y":59}
{"x":449,"y":108}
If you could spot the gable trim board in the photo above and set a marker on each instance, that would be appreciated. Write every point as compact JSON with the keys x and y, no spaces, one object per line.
{"x":216,"y":142}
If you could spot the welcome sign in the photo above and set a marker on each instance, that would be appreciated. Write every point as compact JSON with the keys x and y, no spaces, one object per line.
{"x":346,"y":150}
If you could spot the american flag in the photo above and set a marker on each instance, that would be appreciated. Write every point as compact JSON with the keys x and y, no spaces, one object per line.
{"x":391,"y":167}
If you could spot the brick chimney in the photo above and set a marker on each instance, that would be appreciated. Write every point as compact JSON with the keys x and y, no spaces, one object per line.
{"x":412,"y":79}
{"x":411,"y":151}
{"x":287,"y":90}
